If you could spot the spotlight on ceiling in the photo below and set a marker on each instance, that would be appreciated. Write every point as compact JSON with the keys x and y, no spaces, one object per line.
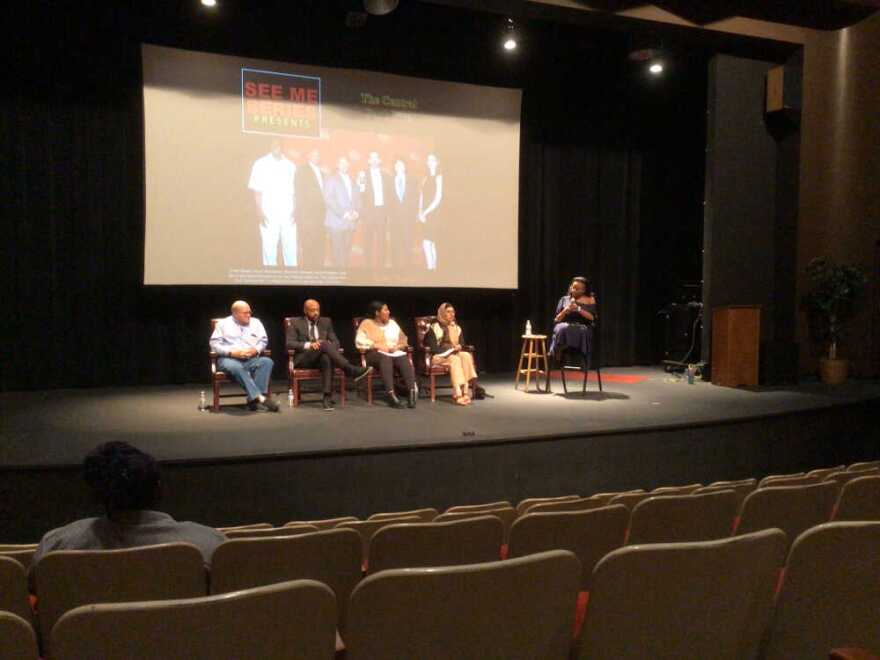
{"x":380,"y":7}
{"x":509,"y":40}
{"x":209,"y":3}
{"x":656,"y":68}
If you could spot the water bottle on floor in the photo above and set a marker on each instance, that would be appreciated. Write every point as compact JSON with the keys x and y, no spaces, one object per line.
{"x":203,"y":402}
{"x":290,"y":398}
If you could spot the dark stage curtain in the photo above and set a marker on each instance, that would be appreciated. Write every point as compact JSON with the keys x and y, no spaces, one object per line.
{"x":581,"y":217}
{"x":77,"y":313}
{"x":82,"y":317}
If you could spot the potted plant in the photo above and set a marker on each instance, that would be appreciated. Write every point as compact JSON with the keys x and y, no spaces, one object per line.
{"x":831,"y":303}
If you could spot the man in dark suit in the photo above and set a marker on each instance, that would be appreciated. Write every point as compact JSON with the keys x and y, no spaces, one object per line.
{"x":376,"y":202}
{"x":403,"y":214}
{"x":317,"y":347}
{"x":308,"y":185}
{"x":343,"y":201}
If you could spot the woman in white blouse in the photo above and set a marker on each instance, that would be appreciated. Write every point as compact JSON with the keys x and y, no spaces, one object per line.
{"x":385,"y":346}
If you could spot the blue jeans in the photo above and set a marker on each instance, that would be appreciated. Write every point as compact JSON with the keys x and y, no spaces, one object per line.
{"x":253,"y":374}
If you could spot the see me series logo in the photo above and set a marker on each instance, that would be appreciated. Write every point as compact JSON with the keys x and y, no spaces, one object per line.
{"x":280,"y":103}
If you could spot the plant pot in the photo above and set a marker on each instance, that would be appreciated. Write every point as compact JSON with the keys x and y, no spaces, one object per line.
{"x":833,"y":372}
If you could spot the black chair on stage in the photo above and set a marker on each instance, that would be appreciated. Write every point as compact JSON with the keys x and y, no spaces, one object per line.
{"x":570,"y":359}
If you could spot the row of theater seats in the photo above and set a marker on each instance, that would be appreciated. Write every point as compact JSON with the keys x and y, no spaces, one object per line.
{"x":590,"y":528}
{"x":710,"y":599}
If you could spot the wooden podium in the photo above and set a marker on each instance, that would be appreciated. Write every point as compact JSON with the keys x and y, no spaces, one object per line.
{"x":736,"y":336}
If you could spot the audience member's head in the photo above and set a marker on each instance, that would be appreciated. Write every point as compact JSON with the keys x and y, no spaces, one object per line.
{"x":122,"y":477}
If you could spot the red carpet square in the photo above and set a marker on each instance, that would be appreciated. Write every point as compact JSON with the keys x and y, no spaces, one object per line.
{"x":578,"y":376}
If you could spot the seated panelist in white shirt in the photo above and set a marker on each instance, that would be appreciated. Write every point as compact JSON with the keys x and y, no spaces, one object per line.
{"x":240,"y":340}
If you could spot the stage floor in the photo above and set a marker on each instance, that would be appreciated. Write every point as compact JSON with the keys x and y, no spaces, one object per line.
{"x":58,"y":427}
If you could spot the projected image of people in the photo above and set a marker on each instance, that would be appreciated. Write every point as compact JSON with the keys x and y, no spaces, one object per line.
{"x":403,"y":214}
{"x":272,"y":183}
{"x":310,"y":211}
{"x":376,"y":188}
{"x":343,"y":201}
{"x":573,"y":323}
{"x":429,"y":210}
{"x":360,"y":179}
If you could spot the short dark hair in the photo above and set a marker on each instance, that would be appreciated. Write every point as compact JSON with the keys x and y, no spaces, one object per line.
{"x":375,"y":307}
{"x":122,"y":477}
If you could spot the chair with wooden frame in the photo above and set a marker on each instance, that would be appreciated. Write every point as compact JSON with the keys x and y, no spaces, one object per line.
{"x":424,"y":365}
{"x":295,"y":375}
{"x":356,"y":321}
{"x":218,"y":376}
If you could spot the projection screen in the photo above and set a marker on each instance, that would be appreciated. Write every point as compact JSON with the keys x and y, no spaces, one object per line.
{"x":269,"y":173}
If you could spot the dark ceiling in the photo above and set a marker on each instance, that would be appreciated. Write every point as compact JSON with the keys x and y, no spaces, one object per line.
{"x":816,"y":14}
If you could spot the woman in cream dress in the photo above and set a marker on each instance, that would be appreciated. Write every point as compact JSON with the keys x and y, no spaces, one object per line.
{"x":444,"y":338}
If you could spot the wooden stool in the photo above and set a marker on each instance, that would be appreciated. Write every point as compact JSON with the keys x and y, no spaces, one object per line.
{"x":534,"y":354}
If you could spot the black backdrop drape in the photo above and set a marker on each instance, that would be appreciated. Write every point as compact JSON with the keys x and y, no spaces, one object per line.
{"x":77,"y":313}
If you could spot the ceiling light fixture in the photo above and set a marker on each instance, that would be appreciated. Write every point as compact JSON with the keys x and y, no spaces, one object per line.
{"x":509,"y":40}
{"x":380,"y":7}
